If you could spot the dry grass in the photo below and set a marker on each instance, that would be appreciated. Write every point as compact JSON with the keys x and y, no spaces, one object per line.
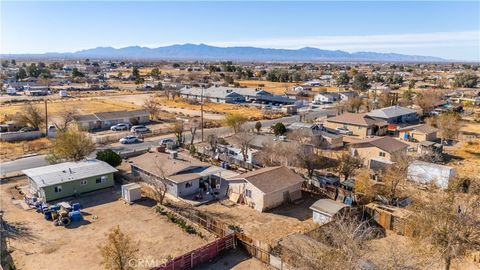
{"x":82,"y":106}
{"x":470,"y":152}
{"x":10,"y":150}
{"x":252,"y":113}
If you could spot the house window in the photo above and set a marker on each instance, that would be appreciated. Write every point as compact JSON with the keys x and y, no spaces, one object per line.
{"x":83,"y":182}
{"x":57,"y":189}
{"x":248,"y":193}
{"x":382,"y":154}
{"x":101,"y":179}
{"x":188,"y":184}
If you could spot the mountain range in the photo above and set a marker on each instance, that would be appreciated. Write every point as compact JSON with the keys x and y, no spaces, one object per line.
{"x":213,"y":53}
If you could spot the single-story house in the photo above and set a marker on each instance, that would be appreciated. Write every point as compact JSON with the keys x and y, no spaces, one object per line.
{"x":69,"y":178}
{"x":346,"y":95}
{"x":384,"y":148}
{"x":320,"y":136}
{"x":266,"y":188}
{"x":324,"y":210}
{"x":426,"y":172}
{"x":183,"y":175}
{"x":360,"y":124}
{"x":326,"y":97}
{"x":37,"y":90}
{"x":418,"y":133}
{"x":105,"y":120}
{"x":395,"y":114}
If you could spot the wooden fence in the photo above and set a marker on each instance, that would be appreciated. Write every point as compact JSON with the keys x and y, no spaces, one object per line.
{"x":198,"y":256}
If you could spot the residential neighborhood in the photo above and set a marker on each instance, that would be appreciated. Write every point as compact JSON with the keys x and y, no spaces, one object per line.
{"x":256,"y":150}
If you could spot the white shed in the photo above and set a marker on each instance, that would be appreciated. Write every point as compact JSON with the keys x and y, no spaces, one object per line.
{"x":425,"y":172}
{"x":325,"y":209}
{"x":131,"y":192}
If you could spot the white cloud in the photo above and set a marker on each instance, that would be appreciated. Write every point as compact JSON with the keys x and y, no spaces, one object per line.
{"x":366,"y":42}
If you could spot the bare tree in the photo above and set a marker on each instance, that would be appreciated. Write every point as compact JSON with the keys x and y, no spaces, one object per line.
{"x":119,"y":251}
{"x":244,"y":139}
{"x":395,"y":175}
{"x":310,"y":160}
{"x":448,"y":125}
{"x":194,"y":125}
{"x":449,"y":222}
{"x":426,"y":100}
{"x":72,"y":144}
{"x":152,"y":106}
{"x":66,"y":118}
{"x":157,"y":184}
{"x":32,"y":116}
{"x":354,"y":104}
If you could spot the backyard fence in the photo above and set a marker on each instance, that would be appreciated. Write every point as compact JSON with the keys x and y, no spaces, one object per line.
{"x":198,"y":256}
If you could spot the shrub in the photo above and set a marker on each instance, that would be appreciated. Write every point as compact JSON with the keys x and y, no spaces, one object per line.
{"x":110,"y":157}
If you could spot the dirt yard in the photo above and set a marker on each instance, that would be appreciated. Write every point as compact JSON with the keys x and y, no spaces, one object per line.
{"x":82,"y":106}
{"x":38,"y":244}
{"x":266,"y":227}
{"x":11,"y":150}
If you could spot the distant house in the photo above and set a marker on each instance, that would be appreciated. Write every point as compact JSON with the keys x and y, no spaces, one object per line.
{"x":395,"y":114}
{"x":326,"y":97}
{"x":184,"y":175}
{"x":324,"y":210}
{"x":104,"y":120}
{"x":378,"y":148}
{"x":266,"y":188}
{"x":361,"y":125}
{"x":418,"y":133}
{"x":425,"y":172}
{"x":222,"y":94}
{"x":346,"y":95}
{"x":36,"y":90}
{"x":319,"y":134}
{"x":69,"y":178}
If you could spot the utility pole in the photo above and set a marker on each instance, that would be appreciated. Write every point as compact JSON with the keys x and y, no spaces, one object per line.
{"x":46,"y":118}
{"x":201,"y":112}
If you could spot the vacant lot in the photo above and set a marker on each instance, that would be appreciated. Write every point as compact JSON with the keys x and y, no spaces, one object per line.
{"x":266,"y":227}
{"x":10,"y":150}
{"x":251,"y":112}
{"x":81,"y":106}
{"x":38,"y":244}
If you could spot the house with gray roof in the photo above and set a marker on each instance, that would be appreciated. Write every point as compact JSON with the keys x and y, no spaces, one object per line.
{"x":395,"y":114}
{"x":69,"y":178}
{"x":104,"y":120}
{"x":223,"y":94}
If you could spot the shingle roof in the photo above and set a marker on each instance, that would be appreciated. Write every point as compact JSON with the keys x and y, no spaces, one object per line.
{"x":68,"y":172}
{"x":180,"y":169}
{"x":423,"y":128}
{"x":271,"y":179}
{"x":327,"y":206}
{"x":387,"y":144}
{"x":358,"y":119}
{"x":390,"y":112}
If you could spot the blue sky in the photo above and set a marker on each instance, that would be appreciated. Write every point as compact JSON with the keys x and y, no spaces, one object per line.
{"x":446,"y":29}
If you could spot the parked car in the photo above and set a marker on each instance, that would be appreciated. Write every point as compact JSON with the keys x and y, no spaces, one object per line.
{"x":140,"y":129}
{"x":129,"y":139}
{"x":345,"y":131}
{"x":121,"y":126}
{"x":27,"y":129}
{"x":166,"y":141}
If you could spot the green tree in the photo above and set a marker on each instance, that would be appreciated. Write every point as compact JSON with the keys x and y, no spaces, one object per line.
{"x":76,"y":73}
{"x":467,"y":79}
{"x":342,"y":79}
{"x":411,"y":84}
{"x":258,"y":126}
{"x":279,"y":129}
{"x":33,"y":70}
{"x":155,"y":72}
{"x":110,"y":157}
{"x":360,"y":82}
{"x":135,"y":73}
{"x":21,"y":74}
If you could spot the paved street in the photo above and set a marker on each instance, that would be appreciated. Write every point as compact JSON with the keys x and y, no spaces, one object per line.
{"x":37,"y":161}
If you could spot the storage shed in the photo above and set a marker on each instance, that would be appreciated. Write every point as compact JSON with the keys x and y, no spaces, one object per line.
{"x":325,"y":209}
{"x":131,"y":192}
{"x":425,"y":172}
